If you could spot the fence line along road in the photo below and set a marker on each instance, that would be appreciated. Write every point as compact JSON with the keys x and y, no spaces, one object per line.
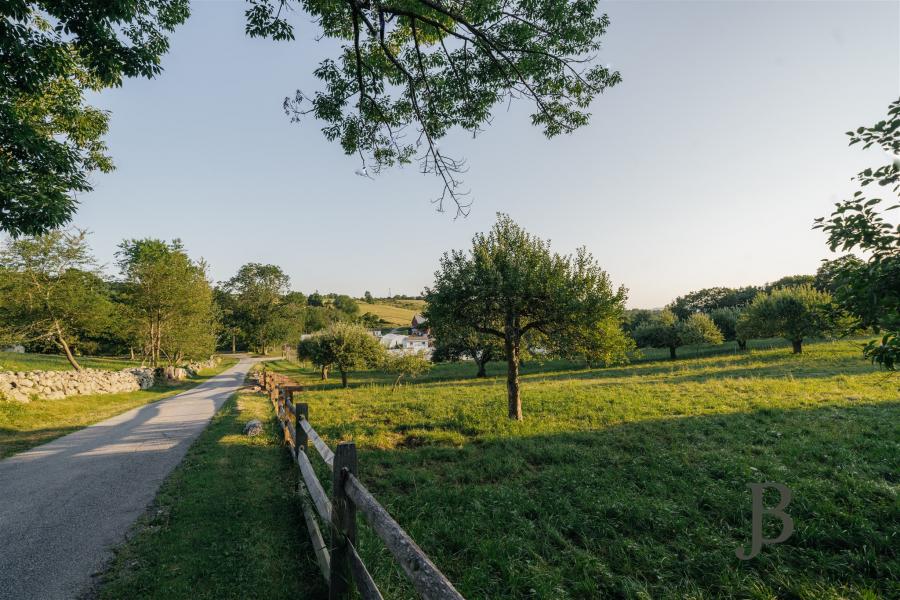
{"x":338,"y":560}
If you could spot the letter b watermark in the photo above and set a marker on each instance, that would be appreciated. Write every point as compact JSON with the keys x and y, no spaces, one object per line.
{"x":757,"y":491}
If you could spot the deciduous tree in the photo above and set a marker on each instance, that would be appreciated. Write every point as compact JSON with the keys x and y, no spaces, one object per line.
{"x":171,"y":299}
{"x":342,"y":346}
{"x":870,"y":289}
{"x":666,"y":330}
{"x":407,"y":364}
{"x":511,"y":284}
{"x":793,"y":313}
{"x":53,"y":52}
{"x":51,"y":290}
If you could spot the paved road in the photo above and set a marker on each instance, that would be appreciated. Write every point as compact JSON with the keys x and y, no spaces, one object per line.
{"x":65,"y":505}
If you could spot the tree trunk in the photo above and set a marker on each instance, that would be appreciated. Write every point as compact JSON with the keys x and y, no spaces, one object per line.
{"x":131,"y":351}
{"x":233,"y":344}
{"x":343,"y":378}
{"x":672,"y":353}
{"x":512,"y":378}
{"x":481,"y":368}
{"x":66,"y":349}
{"x":324,"y":372}
{"x":798,"y":346}
{"x":396,"y":382}
{"x":742,"y":344}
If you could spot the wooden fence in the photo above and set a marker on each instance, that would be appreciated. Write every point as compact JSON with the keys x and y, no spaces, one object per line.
{"x":338,"y":560}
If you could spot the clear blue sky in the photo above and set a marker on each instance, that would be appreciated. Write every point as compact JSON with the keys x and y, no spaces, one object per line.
{"x":706,"y":166}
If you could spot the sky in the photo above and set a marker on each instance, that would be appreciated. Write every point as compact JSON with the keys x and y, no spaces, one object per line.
{"x":706,"y":166}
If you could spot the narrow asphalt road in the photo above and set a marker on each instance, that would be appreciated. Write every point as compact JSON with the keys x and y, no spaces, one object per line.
{"x":65,"y":505}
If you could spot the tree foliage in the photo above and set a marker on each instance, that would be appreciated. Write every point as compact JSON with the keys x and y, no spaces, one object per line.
{"x":406,"y":364}
{"x":709,"y":299}
{"x":343,"y":346}
{"x":408,"y":72}
{"x":870,"y":289}
{"x":50,"y":139}
{"x":793,"y":313}
{"x":511,"y":285}
{"x":666,"y":330}
{"x":51,"y":291}
{"x":170,"y":299}
{"x":455,"y":340}
{"x":261,"y":308}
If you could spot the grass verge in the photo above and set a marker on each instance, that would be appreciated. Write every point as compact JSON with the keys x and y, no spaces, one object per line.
{"x":25,"y":425}
{"x":225,"y":524}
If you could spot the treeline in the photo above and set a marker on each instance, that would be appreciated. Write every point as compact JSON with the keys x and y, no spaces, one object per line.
{"x":160,"y":307}
{"x":259,"y":311}
{"x":796,"y":307}
{"x":55,"y":298}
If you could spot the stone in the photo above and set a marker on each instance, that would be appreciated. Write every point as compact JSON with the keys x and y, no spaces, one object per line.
{"x":253,"y":428}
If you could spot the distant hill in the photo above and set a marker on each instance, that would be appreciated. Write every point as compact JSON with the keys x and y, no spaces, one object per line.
{"x":395,"y":312}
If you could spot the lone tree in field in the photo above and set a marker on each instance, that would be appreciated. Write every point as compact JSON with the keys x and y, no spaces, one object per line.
{"x":50,"y":290}
{"x":342,"y":346}
{"x":792,"y":313}
{"x":510,"y":285}
{"x":665,"y":330}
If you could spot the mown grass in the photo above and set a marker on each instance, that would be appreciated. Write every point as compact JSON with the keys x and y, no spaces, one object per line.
{"x":25,"y":425}
{"x":13,"y":361}
{"x":225,"y":524}
{"x":393,"y":315}
{"x":631,"y":482}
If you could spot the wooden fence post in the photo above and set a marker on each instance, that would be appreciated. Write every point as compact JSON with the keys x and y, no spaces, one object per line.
{"x":343,"y":521}
{"x":301,"y":412}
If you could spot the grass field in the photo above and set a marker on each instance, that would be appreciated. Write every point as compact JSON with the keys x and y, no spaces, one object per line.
{"x":623,"y":483}
{"x":25,"y":425}
{"x":12,"y":361}
{"x":394,"y":314}
{"x":631,"y":482}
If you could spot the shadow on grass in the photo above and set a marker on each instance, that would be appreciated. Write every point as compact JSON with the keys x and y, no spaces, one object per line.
{"x":225,"y":524}
{"x":652,"y":509}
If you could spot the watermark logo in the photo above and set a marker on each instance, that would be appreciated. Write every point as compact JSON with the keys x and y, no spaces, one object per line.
{"x":757,"y":491}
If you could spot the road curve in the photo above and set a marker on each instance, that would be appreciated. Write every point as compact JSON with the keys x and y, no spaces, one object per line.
{"x":65,"y":505}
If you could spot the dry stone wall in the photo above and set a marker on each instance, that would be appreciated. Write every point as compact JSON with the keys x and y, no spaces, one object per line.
{"x":23,"y":386}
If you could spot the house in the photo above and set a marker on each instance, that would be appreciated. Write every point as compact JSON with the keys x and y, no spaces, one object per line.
{"x":416,"y":342}
{"x":419,"y":325}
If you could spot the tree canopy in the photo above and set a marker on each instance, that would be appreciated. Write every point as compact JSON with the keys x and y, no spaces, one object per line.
{"x":50,"y":139}
{"x":793,"y":313}
{"x":409,"y":72}
{"x":261,"y":306}
{"x":870,"y":289}
{"x":50,"y":289}
{"x":511,"y":285}
{"x":666,"y":330}
{"x":343,"y":346}
{"x":170,"y":298}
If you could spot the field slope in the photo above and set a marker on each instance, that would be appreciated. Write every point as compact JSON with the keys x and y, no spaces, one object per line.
{"x":632,"y":482}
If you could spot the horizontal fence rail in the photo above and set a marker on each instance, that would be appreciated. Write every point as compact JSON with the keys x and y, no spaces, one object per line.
{"x":338,"y":559}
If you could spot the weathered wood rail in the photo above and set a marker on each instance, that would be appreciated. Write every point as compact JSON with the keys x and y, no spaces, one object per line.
{"x":338,"y":559}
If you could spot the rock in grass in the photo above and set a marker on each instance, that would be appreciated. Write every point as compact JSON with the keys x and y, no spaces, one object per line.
{"x":253,"y":428}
